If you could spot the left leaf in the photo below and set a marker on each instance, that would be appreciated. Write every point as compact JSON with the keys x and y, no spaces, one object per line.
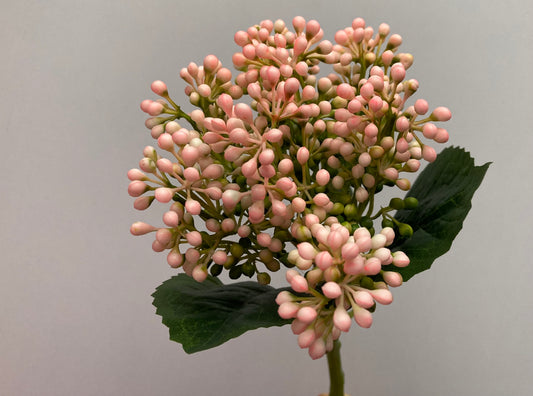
{"x":204,"y":315}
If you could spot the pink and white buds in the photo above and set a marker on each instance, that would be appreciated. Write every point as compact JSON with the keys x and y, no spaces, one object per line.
{"x":341,"y":319}
{"x":193,"y":207}
{"x":298,"y":283}
{"x":362,"y":317}
{"x":306,"y":338}
{"x":331,"y":290}
{"x":317,"y":349}
{"x":175,"y":259}
{"x":159,"y":88}
{"x":397,"y":72}
{"x":137,"y":188}
{"x":282,"y":167}
{"x":302,"y":155}
{"x":140,"y":228}
{"x":322,"y":177}
{"x":393,"y":279}
{"x":307,"y":251}
{"x":441,"y":114}
{"x":306,"y":314}
{"x":288,"y":310}
{"x":400,"y":259}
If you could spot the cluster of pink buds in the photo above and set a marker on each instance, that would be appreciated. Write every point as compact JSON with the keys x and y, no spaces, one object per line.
{"x":345,"y":274}
{"x":297,"y":166}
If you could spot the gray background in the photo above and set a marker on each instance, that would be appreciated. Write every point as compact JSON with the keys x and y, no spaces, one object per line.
{"x":75,"y":307}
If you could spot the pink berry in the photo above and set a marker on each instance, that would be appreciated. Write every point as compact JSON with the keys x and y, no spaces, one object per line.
{"x":421,"y":107}
{"x":321,"y":199}
{"x":441,"y":114}
{"x":317,"y":349}
{"x":362,"y":317}
{"x":140,"y":228}
{"x":264,"y":239}
{"x":228,"y":225}
{"x":382,"y":296}
{"x":164,"y":194}
{"x":306,"y":314}
{"x":393,"y":279}
{"x":341,"y":319}
{"x":193,"y":207}
{"x":400,"y":259}
{"x":137,"y":188}
{"x":199,"y":273}
{"x":142,"y":203}
{"x":299,"y":284}
{"x":363,"y":299}
{"x":159,"y":88}
{"x":194,"y":238}
{"x":163,"y":236}
{"x":331,"y":290}
{"x":306,"y":337}
{"x":306,"y":251}
{"x":442,"y":135}
{"x":288,"y":310}
{"x":175,"y":259}
{"x":349,"y":251}
{"x":302,"y":155}
{"x":171,"y":218}
{"x":210,"y":63}
{"x":324,"y":260}
{"x":241,"y":38}
{"x":429,"y":153}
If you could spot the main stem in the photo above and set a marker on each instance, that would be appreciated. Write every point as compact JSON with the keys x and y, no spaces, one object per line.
{"x":336,"y":375}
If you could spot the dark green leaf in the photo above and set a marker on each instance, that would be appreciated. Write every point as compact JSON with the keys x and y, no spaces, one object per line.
{"x":444,"y":191}
{"x":204,"y":315}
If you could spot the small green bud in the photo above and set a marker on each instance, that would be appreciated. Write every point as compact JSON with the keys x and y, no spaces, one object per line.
{"x":410,"y":202}
{"x":282,"y":235}
{"x":397,"y":203}
{"x":367,"y":283}
{"x":387,"y":223}
{"x":347,"y":225}
{"x":337,"y":209}
{"x":263,"y":278}
{"x":248,"y":269}
{"x":350,"y":211}
{"x":235,"y":272}
{"x":273,"y":265}
{"x":405,"y":230}
{"x":236,"y":250}
{"x":230,"y":262}
{"x":339,"y":103}
{"x":216,"y":269}
{"x":366,"y":222}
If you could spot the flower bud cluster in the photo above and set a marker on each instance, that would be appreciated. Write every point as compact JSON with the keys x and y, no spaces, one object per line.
{"x":346,"y":276}
{"x":282,"y":158}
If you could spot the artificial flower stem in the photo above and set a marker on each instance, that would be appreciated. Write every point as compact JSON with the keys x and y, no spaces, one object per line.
{"x":336,"y":375}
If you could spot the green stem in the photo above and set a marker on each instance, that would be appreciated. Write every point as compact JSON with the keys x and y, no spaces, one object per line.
{"x":336,"y":375}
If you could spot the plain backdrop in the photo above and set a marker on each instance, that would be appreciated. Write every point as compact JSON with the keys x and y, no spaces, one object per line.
{"x":75,"y":307}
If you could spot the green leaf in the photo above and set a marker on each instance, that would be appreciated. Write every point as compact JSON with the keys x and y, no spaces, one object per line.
{"x":204,"y":315}
{"x":444,"y":191}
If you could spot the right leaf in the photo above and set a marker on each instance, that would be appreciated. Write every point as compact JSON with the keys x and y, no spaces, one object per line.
{"x":444,"y":191}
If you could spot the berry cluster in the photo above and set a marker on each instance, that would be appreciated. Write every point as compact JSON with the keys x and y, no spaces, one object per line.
{"x":296,"y":168}
{"x":343,"y":273}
